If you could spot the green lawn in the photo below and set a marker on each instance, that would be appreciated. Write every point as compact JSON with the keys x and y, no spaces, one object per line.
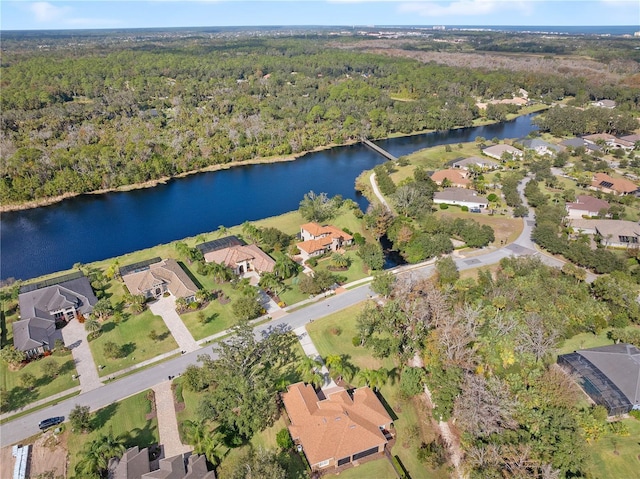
{"x":617,"y":456}
{"x":126,"y":418}
{"x":133,"y":336}
{"x":409,"y":413}
{"x":323,"y":332}
{"x":434,"y":158}
{"x":584,"y":341}
{"x":218,"y":316}
{"x":380,"y":469}
{"x":18,"y":396}
{"x":357,"y":269}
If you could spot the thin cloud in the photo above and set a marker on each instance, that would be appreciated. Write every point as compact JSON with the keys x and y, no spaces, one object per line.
{"x":467,"y":8}
{"x":47,"y":12}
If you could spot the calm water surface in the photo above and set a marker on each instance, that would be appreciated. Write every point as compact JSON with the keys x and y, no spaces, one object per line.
{"x":94,"y":227}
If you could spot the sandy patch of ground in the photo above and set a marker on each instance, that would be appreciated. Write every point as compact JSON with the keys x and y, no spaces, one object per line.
{"x":48,"y":455}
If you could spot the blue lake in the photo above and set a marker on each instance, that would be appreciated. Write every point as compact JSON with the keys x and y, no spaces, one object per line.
{"x":94,"y":227}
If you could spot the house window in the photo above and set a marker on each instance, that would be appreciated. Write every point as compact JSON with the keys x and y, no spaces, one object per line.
{"x":324,"y":463}
{"x":344,"y":460}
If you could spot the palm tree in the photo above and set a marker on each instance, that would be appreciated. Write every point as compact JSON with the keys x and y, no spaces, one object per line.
{"x":338,"y":365}
{"x":92,"y":325}
{"x":309,"y":370}
{"x":285,"y":267}
{"x":271,"y":282}
{"x":220,"y":272}
{"x":204,"y":441}
{"x":373,"y":378}
{"x":97,"y":454}
{"x":222,"y":230}
{"x":339,"y":260}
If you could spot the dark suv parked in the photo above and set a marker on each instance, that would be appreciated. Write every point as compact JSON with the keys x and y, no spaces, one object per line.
{"x":52,"y":421}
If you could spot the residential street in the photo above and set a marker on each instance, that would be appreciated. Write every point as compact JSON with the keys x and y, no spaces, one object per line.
{"x":111,"y":392}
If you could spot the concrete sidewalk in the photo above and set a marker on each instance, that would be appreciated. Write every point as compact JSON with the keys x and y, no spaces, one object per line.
{"x":75,"y":338}
{"x":166,"y":309}
{"x":310,"y":350}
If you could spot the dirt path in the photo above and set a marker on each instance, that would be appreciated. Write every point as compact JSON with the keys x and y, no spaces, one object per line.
{"x":452,"y":442}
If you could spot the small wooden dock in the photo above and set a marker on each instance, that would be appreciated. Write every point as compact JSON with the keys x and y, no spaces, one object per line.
{"x":379,"y":150}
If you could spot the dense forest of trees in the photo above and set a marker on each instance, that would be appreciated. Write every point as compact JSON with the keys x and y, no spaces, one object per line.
{"x":79,"y":120}
{"x":488,"y":348}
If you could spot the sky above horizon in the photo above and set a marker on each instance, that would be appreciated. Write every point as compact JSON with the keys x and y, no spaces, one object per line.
{"x":79,"y":14}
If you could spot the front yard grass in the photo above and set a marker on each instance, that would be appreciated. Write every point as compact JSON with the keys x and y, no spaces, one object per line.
{"x":380,"y":469}
{"x":505,"y":228}
{"x":127,"y":418}
{"x":218,"y":316}
{"x":132,"y":336}
{"x":617,"y":456}
{"x":18,"y":396}
{"x":356,"y":270}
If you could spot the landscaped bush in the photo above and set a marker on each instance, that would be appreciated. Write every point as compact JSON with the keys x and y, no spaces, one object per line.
{"x":443,"y":206}
{"x":464,"y":208}
{"x":313,"y":262}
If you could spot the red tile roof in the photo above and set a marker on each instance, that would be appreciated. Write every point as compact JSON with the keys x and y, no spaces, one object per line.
{"x":336,"y":427}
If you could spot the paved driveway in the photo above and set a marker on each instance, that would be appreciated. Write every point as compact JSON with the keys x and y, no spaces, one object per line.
{"x":167,"y":422}
{"x":166,"y":309}
{"x":75,"y":338}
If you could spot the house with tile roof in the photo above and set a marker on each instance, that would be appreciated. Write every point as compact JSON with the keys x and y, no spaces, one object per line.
{"x":457,"y":178}
{"x":337,"y":430}
{"x":237,"y":255}
{"x":153,"y":280}
{"x":496,"y":151}
{"x":318,"y":240}
{"x":617,"y":186}
{"x":609,"y":375}
{"x":45,"y":308}
{"x":586,"y":205}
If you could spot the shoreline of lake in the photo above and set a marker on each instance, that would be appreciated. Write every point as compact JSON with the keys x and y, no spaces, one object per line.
{"x":165,"y":179}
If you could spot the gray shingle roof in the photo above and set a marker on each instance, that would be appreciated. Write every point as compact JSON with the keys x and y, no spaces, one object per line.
{"x":33,"y":333}
{"x":42,"y":302}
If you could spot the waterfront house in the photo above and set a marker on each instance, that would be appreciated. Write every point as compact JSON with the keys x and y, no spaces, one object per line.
{"x":475,"y":162}
{"x":337,"y":430}
{"x":237,"y":255}
{"x":47,"y":306}
{"x":456,"y":178}
{"x":155,"y":279}
{"x":318,"y":240}
{"x":497,"y":151}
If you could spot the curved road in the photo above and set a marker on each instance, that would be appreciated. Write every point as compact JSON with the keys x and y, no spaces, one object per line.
{"x":27,"y":425}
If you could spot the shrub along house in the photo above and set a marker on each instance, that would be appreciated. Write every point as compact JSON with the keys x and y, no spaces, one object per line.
{"x":47,"y":306}
{"x":153,"y":278}
{"x":339,"y":430}
{"x":318,"y":240}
